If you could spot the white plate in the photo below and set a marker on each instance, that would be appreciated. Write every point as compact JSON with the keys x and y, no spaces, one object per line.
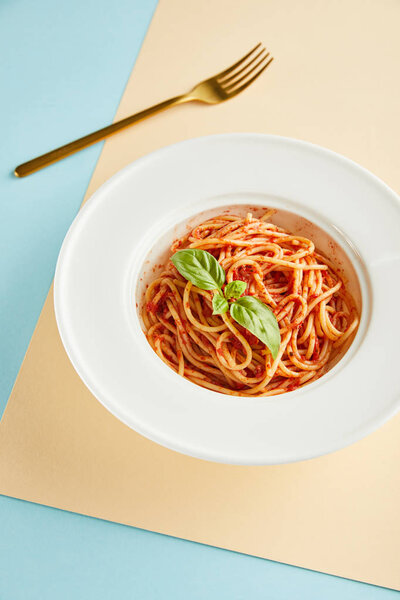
{"x":136,"y":214}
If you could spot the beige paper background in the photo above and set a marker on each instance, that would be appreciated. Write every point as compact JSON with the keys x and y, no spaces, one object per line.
{"x":335,"y":82}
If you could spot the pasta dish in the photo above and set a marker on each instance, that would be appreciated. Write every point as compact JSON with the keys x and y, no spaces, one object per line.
{"x":245,"y":308}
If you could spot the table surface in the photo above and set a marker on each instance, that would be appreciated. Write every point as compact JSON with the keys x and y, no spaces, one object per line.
{"x":64,"y":67}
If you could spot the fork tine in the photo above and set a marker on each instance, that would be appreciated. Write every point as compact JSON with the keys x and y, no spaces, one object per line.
{"x":226,"y":80}
{"x":237,"y":91}
{"x":237,"y":64}
{"x":245,"y":76}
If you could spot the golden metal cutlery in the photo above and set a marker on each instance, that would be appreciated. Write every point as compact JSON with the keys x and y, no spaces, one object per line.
{"x":219,"y":88}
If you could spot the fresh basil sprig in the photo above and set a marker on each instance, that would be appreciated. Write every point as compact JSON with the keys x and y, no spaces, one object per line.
{"x":199,"y":267}
{"x":204,"y":271}
{"x":255,"y":316}
{"x":220,"y":304}
{"x":235,"y":289}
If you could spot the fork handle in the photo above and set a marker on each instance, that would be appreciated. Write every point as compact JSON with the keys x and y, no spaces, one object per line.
{"x":51,"y":157}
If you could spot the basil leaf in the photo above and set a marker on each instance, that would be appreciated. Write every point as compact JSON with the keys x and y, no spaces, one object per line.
{"x":235,"y":289}
{"x":255,"y":316}
{"x":219,"y":304}
{"x":199,"y":267}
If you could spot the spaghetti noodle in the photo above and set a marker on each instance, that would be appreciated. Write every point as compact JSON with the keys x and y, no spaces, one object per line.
{"x":303,"y":289}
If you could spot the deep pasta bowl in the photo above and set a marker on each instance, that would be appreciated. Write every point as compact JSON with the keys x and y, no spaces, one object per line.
{"x":122,"y":236}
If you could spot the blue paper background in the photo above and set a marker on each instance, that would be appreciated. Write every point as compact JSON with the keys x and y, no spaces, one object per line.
{"x":63,"y":68}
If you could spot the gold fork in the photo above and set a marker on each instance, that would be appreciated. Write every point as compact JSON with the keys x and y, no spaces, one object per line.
{"x":221,"y":87}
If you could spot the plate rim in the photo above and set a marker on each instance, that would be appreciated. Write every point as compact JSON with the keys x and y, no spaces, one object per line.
{"x":157,"y":437}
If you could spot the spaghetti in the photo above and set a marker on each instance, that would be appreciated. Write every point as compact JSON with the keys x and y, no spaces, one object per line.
{"x":303,"y":289}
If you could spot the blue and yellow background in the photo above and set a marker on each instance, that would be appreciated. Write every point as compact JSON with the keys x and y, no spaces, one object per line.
{"x":63,"y":70}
